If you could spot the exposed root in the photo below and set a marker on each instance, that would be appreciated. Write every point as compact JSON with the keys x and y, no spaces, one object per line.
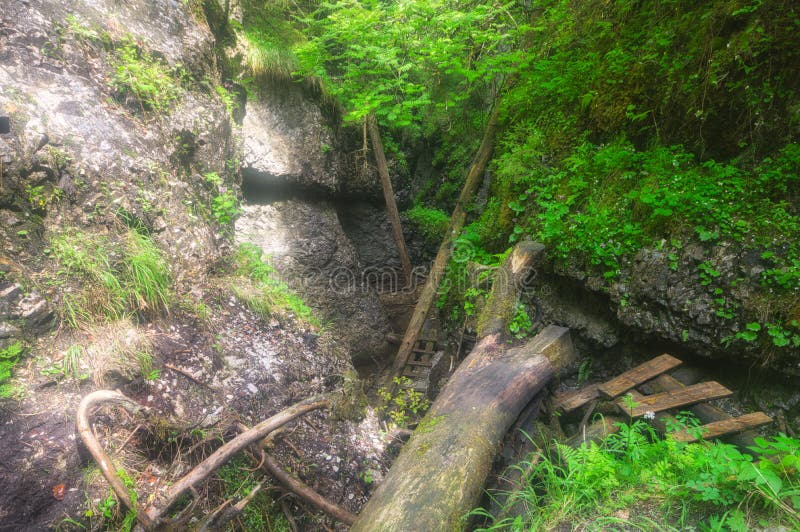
{"x":86,"y":433}
{"x":152,"y":516}
{"x":301,"y":489}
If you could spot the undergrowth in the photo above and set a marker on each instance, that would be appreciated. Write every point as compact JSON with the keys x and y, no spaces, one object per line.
{"x":143,"y":77}
{"x":431,"y":223}
{"x":259,"y":288}
{"x":637,"y":480}
{"x":9,"y":357}
{"x":262,"y":513}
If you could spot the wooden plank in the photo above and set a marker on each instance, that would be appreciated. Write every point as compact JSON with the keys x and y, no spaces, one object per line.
{"x":423,"y":363}
{"x":690,"y":395}
{"x":724,"y":427}
{"x":569,"y":401}
{"x":636,"y":376}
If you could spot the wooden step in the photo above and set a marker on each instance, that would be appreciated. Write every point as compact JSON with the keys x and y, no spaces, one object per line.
{"x":636,"y":376}
{"x":569,"y":401}
{"x":424,"y":351}
{"x":690,"y":395}
{"x":424,"y":363}
{"x":415,"y":372}
{"x":724,"y":427}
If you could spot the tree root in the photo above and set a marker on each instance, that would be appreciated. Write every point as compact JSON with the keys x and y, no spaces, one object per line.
{"x":302,"y":490}
{"x":98,"y":453}
{"x":152,"y":516}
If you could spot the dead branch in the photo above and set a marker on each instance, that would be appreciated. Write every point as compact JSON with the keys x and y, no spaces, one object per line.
{"x":299,"y":488}
{"x":226,"y":513}
{"x":89,"y":439}
{"x":227,"y":451}
{"x":151,"y":516}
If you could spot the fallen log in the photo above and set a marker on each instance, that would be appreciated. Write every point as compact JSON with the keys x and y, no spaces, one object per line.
{"x":440,"y":473}
{"x":508,"y":282}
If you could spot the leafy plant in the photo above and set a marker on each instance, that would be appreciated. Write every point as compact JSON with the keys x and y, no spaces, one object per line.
{"x":688,"y":484}
{"x":405,"y":404}
{"x":225,"y":207}
{"x":137,"y":74}
{"x":520,"y":324}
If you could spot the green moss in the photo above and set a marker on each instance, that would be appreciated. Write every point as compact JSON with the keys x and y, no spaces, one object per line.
{"x":428,"y":423}
{"x":259,"y":288}
{"x":431,"y":223}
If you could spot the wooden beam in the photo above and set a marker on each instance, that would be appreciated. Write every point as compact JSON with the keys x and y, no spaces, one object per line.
{"x":717,"y":429}
{"x":690,"y":395}
{"x":636,"y":376}
{"x":568,"y":401}
{"x":707,"y":413}
{"x":388,"y":196}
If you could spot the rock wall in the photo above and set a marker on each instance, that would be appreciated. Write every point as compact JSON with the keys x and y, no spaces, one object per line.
{"x":655,"y":302}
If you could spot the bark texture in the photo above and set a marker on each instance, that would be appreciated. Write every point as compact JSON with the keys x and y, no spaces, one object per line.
{"x":440,"y":473}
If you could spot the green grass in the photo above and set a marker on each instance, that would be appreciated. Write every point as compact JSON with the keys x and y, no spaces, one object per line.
{"x":638,"y":480}
{"x":261,"y":513}
{"x":267,"y":35}
{"x":117,"y":277}
{"x":257,"y":286}
{"x":9,"y":357}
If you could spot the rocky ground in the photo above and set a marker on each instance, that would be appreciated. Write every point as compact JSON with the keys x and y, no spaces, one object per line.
{"x":81,"y":155}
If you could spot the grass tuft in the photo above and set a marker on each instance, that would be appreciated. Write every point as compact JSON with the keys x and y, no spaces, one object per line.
{"x":115,"y":278}
{"x":259,"y":289}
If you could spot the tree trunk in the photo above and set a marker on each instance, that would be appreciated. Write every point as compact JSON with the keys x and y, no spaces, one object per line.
{"x":428,"y":295}
{"x":440,"y":473}
{"x":509,"y":280}
{"x":388,"y":195}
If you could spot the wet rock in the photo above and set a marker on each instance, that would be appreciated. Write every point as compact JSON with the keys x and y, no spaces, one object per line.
{"x":312,"y":253}
{"x":286,"y":141}
{"x":8,"y":330}
{"x":289,"y":142}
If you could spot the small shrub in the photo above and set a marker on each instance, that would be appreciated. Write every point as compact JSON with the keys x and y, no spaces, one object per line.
{"x":405,"y":404}
{"x":225,"y":207}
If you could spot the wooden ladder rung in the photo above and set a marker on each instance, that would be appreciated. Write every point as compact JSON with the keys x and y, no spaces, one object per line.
{"x":636,"y":376}
{"x":423,"y":363}
{"x":424,"y":351}
{"x":724,"y":427}
{"x":568,"y":401}
{"x":690,"y":395}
